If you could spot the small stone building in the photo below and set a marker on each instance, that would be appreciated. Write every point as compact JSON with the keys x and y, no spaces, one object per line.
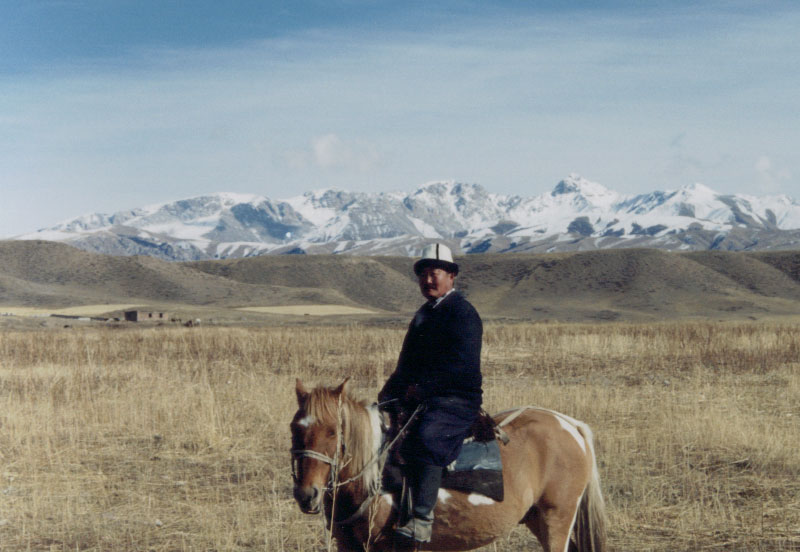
{"x":145,"y":316}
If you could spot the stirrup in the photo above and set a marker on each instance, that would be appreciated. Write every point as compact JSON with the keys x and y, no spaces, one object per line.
{"x":416,"y":529}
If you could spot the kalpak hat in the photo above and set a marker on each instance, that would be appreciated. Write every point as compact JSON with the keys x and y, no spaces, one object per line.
{"x":437,"y":255}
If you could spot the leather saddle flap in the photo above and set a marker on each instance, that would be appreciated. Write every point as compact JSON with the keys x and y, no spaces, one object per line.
{"x":478,"y":469}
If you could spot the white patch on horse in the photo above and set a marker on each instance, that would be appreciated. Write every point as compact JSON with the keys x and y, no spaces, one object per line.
{"x":479,"y":500}
{"x":306,"y":422}
{"x":444,"y":495}
{"x":527,"y":498}
{"x":573,"y":431}
{"x":388,"y":499}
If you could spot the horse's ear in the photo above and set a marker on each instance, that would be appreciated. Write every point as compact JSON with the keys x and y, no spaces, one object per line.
{"x":300,"y":389}
{"x":339,"y":390}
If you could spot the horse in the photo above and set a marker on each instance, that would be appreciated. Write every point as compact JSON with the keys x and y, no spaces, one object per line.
{"x":550,"y":478}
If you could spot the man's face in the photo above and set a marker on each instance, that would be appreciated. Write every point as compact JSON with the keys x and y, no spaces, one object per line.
{"x":435,"y":282}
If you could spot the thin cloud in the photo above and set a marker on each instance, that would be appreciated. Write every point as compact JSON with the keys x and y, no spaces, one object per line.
{"x":770,"y":179}
{"x":330,"y":152}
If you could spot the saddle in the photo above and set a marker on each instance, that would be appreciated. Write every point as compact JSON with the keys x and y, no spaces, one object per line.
{"x":478,"y":468}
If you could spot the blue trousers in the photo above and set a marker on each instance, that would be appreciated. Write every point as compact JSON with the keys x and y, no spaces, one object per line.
{"x":438,"y":434}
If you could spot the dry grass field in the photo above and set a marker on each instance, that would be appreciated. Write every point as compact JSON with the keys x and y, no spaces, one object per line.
{"x":171,"y":439}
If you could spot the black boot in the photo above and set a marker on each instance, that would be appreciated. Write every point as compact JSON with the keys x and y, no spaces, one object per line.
{"x":424,"y":491}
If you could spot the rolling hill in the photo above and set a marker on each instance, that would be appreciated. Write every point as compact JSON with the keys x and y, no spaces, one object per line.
{"x":618,"y":284}
{"x":55,"y":275}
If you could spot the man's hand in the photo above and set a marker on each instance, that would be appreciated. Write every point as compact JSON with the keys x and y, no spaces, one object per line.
{"x":414,"y":394}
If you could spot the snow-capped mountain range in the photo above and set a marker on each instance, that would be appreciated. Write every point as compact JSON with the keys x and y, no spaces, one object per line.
{"x":576,"y":215}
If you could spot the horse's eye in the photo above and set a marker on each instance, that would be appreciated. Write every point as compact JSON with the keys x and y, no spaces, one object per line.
{"x":331,"y":433}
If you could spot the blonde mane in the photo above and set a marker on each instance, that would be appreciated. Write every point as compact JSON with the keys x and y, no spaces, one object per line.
{"x":359,"y":435}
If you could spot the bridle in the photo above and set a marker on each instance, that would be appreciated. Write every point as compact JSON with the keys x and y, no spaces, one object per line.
{"x":299,"y":454}
{"x":333,"y":483}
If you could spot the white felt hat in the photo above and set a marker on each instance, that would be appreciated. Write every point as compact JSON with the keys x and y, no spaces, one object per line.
{"x":437,"y":255}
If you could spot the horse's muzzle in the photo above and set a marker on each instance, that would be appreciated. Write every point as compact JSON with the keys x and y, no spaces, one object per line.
{"x":308,"y":498}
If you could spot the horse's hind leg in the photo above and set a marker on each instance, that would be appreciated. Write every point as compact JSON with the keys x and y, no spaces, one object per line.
{"x":552,"y":526}
{"x":533,"y":521}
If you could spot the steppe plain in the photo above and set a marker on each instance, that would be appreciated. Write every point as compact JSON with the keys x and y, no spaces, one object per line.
{"x":127,"y":436}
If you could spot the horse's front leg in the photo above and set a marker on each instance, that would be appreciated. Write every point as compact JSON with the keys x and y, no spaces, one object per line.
{"x":346,"y":542}
{"x":375,"y":530}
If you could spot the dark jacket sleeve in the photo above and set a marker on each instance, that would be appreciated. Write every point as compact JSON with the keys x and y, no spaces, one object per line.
{"x":397,"y":384}
{"x":394,"y":388}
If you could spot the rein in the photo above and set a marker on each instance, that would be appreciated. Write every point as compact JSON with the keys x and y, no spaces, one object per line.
{"x":384,"y":449}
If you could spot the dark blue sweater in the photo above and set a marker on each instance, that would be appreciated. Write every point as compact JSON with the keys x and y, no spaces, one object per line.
{"x":441,"y":353}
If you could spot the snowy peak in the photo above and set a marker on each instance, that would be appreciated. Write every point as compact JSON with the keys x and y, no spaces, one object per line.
{"x":582,"y":195}
{"x":451,"y":207}
{"x":330,"y":198}
{"x":576,"y":184}
{"x":576,"y":214}
{"x":85,"y":223}
{"x":697,"y":191}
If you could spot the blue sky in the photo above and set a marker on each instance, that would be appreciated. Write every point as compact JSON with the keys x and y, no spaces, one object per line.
{"x":113,"y":104}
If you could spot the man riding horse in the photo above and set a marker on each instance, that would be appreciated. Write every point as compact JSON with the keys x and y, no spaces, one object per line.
{"x":439,"y":368}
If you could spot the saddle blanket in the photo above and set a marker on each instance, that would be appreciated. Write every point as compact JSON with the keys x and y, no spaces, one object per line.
{"x":478,"y":469}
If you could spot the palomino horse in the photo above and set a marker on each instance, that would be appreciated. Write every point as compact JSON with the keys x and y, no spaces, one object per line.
{"x":550,"y":480}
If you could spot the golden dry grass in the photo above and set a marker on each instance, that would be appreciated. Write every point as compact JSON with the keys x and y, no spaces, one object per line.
{"x":177,"y":439}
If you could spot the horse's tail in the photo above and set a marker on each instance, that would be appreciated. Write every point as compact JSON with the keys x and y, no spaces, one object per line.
{"x":590,"y":520}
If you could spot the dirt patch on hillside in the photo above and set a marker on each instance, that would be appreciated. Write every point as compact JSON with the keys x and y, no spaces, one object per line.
{"x":310,"y":310}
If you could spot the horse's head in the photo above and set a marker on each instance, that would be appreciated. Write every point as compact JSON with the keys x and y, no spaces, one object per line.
{"x":317,"y":444}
